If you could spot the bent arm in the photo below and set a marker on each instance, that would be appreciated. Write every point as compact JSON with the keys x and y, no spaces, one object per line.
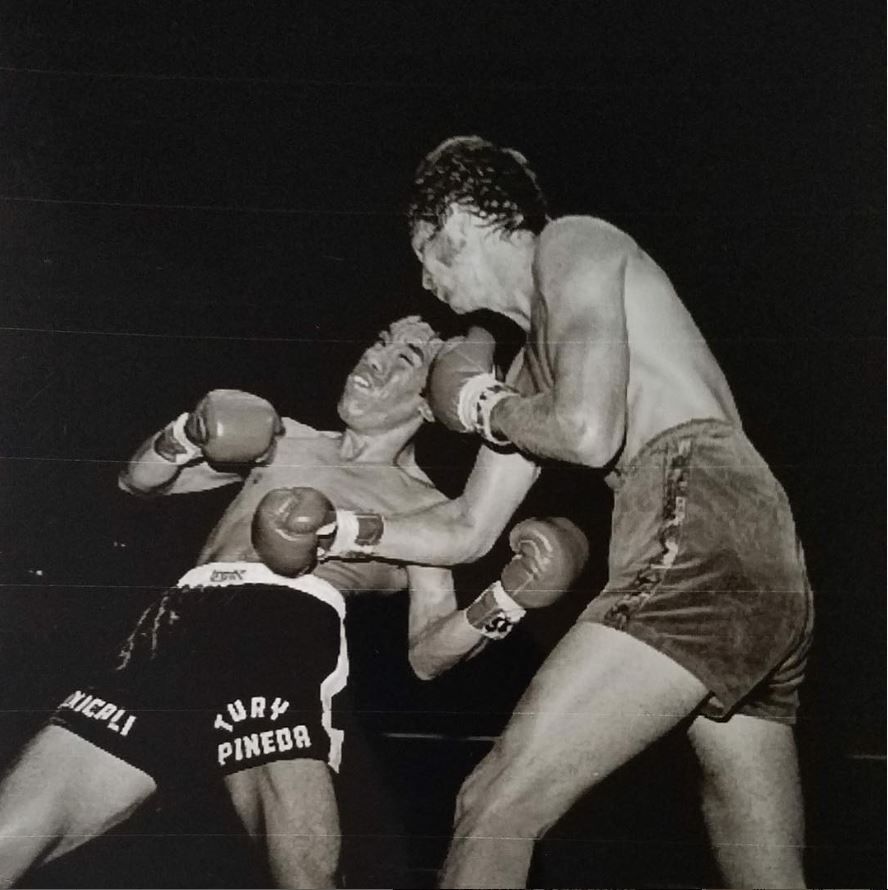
{"x":148,"y":473}
{"x":582,"y":417}
{"x":440,"y":635}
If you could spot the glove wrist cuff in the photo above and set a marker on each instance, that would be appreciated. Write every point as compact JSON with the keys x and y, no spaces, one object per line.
{"x":173,"y":444}
{"x":494,"y":613}
{"x":477,"y":399}
{"x":487,"y":401}
{"x":356,"y":534}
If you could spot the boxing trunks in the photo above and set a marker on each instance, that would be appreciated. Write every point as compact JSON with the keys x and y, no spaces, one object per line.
{"x":232,"y":668}
{"x":705,"y":566}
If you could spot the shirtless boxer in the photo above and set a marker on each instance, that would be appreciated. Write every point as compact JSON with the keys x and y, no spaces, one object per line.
{"x":707,"y":616}
{"x":232,"y":672}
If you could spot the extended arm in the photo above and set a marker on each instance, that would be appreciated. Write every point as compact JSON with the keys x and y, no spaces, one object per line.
{"x":464,"y":529}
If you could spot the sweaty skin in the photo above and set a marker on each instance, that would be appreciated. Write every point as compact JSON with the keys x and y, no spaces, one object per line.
{"x":612,"y":358}
{"x":634,"y":348}
{"x":306,"y":457}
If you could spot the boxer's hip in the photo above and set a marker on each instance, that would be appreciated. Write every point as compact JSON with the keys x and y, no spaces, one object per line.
{"x":699,"y":505}
{"x":231,"y":668}
{"x":704,"y":560}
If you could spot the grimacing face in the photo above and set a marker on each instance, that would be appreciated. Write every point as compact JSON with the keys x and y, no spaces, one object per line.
{"x":452,"y":266}
{"x":385,"y":387}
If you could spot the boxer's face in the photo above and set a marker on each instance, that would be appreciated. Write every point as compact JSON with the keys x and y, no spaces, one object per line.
{"x":455,"y":265}
{"x":385,"y":387}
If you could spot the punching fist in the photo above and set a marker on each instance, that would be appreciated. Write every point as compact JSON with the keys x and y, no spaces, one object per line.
{"x":549,"y":556}
{"x":227,"y":426}
{"x":463,"y":388}
{"x":287,"y":527}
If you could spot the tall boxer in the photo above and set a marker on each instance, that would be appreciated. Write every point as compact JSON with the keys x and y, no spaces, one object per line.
{"x":232,"y":674}
{"x":707,"y":613}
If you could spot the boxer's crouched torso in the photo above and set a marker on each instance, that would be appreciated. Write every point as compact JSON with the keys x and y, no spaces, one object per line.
{"x":308,"y":457}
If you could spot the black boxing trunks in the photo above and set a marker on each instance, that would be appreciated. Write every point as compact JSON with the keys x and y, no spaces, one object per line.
{"x":234,"y":667}
{"x":705,"y":566}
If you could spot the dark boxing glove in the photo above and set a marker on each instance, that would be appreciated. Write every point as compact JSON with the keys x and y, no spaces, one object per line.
{"x":549,"y":556}
{"x":463,"y":389}
{"x":288,"y":526}
{"x":227,"y":426}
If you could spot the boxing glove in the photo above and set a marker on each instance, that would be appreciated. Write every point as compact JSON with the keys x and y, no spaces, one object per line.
{"x":227,"y":426}
{"x":288,"y":526}
{"x":463,"y":389}
{"x":549,"y":556}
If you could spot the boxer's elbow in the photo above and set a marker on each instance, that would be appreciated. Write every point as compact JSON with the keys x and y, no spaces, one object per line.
{"x":470,"y":540}
{"x":133,"y":484}
{"x":591,"y":444}
{"x":422,"y":665}
{"x":126,"y":482}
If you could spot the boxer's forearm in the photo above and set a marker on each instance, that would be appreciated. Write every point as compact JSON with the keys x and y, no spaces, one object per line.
{"x":442,"y":535}
{"x":539,"y":426}
{"x":446,"y":642}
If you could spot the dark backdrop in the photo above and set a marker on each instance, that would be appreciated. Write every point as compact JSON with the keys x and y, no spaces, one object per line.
{"x":209,"y":195}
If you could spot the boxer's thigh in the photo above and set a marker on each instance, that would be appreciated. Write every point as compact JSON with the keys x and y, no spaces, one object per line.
{"x":63,"y":790}
{"x":599,"y":699}
{"x":291,"y":806}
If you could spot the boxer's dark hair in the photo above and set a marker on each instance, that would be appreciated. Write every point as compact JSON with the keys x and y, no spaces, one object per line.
{"x":495,"y":183}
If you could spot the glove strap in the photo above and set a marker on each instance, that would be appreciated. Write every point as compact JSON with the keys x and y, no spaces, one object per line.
{"x":174,"y":444}
{"x":355,"y":534}
{"x":488,"y":399}
{"x":494,"y":614}
{"x":476,"y":400}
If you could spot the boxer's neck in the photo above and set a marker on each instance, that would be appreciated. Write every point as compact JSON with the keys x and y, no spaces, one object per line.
{"x":386,"y":447}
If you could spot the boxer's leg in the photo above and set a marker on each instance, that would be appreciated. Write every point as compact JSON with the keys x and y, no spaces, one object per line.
{"x":752,"y":800}
{"x":289,"y":807}
{"x":61,"y":792}
{"x":600,"y":698}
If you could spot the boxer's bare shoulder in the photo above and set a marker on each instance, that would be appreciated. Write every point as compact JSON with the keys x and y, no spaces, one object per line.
{"x":570,"y":245}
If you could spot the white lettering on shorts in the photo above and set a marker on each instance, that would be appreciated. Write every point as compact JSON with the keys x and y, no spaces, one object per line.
{"x":260,"y":744}
{"x":115,"y":718}
{"x":237,"y":711}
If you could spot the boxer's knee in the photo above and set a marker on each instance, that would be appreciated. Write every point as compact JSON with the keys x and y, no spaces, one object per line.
{"x":505,"y":795}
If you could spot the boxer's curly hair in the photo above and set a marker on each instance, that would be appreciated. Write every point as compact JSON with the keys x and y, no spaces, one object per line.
{"x":495,"y":183}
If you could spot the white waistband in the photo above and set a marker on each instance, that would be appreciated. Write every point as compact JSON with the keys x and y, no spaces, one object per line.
{"x":224,"y":574}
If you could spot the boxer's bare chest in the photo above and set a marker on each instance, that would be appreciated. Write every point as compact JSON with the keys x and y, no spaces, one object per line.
{"x":311,"y":458}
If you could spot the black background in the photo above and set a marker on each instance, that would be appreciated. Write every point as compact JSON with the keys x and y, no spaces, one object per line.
{"x":210,"y":195}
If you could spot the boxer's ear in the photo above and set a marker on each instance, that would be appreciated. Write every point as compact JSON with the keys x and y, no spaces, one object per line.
{"x":457,"y":226}
{"x":425,"y":412}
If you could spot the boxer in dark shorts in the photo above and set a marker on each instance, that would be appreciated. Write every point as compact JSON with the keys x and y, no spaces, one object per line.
{"x":705,"y":566}
{"x":231,"y":675}
{"x":235,"y":667}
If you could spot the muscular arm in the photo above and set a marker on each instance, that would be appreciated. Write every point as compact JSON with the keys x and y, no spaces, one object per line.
{"x":582,"y":417}
{"x":440,"y":636}
{"x":147,"y":474}
{"x":464,"y":529}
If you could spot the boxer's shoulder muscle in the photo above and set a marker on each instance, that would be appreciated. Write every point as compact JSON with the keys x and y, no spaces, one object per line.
{"x":571,"y":245}
{"x":295,"y":429}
